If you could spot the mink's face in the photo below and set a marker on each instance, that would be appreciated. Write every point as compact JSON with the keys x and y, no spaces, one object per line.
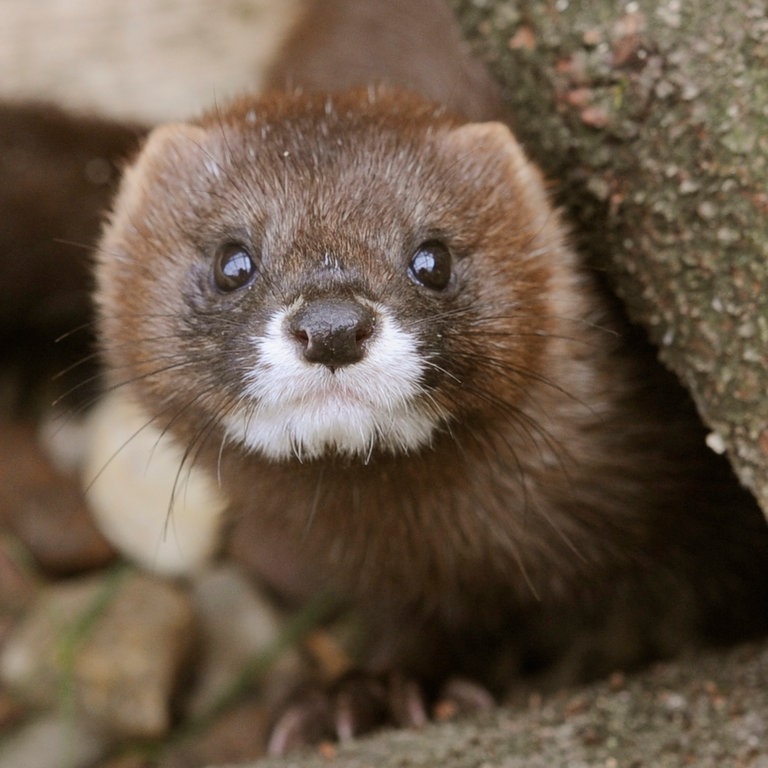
{"x":314,"y":277}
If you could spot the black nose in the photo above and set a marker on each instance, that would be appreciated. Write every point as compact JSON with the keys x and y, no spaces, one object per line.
{"x":332,"y":331}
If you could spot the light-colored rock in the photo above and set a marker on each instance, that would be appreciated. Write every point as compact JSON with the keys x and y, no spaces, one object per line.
{"x":37,"y":654}
{"x":114,"y":645}
{"x":164,"y":518}
{"x":128,"y":670}
{"x":53,"y":741}
{"x":238,"y":628}
{"x":63,"y":438}
{"x":145,"y":59}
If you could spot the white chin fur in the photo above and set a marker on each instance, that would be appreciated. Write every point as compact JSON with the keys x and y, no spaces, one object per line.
{"x":293,"y":408}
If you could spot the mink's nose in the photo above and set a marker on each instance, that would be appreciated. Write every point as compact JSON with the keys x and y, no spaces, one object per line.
{"x":332,"y":332}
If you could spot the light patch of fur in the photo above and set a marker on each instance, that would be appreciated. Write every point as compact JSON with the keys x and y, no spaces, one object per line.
{"x":291,"y":407}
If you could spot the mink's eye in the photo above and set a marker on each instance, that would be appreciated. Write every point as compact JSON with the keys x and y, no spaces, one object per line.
{"x":430,"y":265}
{"x":233,"y":268}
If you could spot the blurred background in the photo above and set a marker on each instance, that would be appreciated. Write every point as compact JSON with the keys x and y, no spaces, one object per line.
{"x":149,"y":60}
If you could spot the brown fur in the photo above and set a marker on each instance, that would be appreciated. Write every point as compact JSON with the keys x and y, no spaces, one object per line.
{"x":413,"y":45}
{"x":571,"y":485}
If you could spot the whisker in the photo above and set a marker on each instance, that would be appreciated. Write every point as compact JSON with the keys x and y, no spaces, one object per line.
{"x":77,"y":329}
{"x":196,"y":444}
{"x":315,"y":503}
{"x":442,"y":369}
{"x":117,"y":452}
{"x":515,"y":371}
{"x":118,"y":385}
{"x":74,"y":243}
{"x":77,"y":364}
{"x":220,"y":458}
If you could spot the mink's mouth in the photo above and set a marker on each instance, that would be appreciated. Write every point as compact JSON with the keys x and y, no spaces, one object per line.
{"x":292,"y":408}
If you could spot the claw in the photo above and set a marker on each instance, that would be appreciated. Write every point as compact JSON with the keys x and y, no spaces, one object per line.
{"x":305,"y":722}
{"x":360,"y":706}
{"x":407,"y":703}
{"x":358,"y":703}
{"x":460,"y":696}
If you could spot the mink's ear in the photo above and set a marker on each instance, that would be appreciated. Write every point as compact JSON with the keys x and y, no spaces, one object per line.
{"x":493,"y":146}
{"x":167,"y":150}
{"x":172,"y":155}
{"x":491,"y":140}
{"x":173,"y":142}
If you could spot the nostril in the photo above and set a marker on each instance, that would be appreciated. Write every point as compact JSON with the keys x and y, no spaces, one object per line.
{"x":332,"y":332}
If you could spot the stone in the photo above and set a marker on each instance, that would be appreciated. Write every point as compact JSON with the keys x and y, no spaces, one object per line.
{"x":238,"y":735}
{"x":53,"y":740}
{"x":44,"y":508}
{"x":159,"y":511}
{"x":115,"y":644}
{"x":238,"y":628}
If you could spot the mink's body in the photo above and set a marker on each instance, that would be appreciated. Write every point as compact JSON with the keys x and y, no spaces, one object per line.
{"x":360,"y":311}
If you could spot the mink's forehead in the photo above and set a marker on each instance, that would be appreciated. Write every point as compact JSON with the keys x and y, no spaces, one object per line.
{"x":321,"y":130}
{"x":362,"y":146}
{"x":353,"y":176}
{"x":316,"y":149}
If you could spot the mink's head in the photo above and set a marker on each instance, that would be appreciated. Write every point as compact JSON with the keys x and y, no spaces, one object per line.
{"x":316,"y":275}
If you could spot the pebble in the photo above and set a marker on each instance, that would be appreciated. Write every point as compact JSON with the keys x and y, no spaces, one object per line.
{"x":44,"y":508}
{"x":238,"y":735}
{"x":115,"y":644}
{"x":165,"y":520}
{"x":54,"y":741}
{"x":237,"y":626}
{"x":114,"y":654}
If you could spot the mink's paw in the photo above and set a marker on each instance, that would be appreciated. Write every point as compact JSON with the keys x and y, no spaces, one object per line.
{"x":359,"y":703}
{"x":355,"y":704}
{"x":461,"y":696}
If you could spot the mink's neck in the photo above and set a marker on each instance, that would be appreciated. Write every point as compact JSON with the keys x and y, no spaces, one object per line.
{"x":468,"y":513}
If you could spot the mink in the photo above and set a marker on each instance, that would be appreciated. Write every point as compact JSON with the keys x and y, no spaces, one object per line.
{"x":361,"y":313}
{"x":352,"y":300}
